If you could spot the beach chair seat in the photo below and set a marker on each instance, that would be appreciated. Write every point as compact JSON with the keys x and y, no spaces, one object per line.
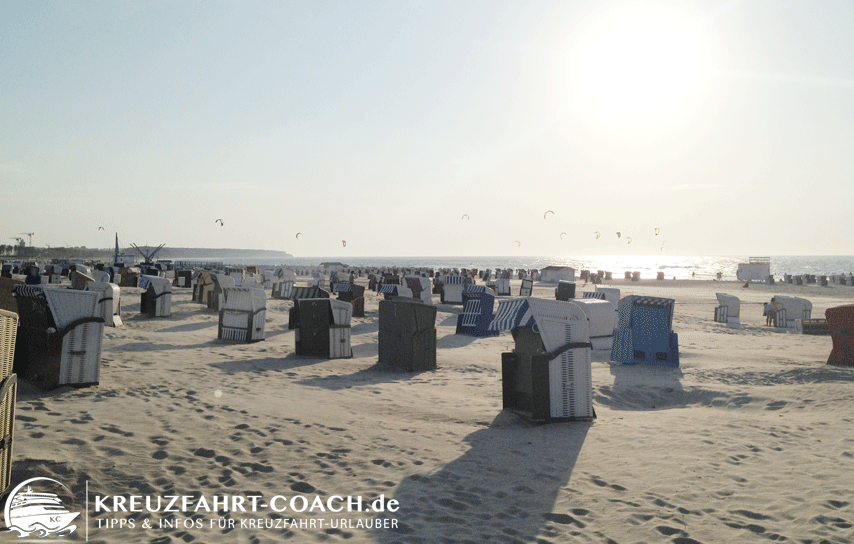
{"x":527,"y":288}
{"x":644,"y":332}
{"x":243,"y":315}
{"x":204,"y":287}
{"x":323,"y":328}
{"x":60,"y":336}
{"x":109,"y":304}
{"x":156,"y":297}
{"x":840,"y":324}
{"x":407,"y":335}
{"x":548,"y":375}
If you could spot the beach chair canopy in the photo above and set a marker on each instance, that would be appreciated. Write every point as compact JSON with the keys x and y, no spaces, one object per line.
{"x":160,"y":285}
{"x":732,"y":303}
{"x":396,"y":290}
{"x":795,"y":306}
{"x":548,"y":317}
{"x":472,"y":288}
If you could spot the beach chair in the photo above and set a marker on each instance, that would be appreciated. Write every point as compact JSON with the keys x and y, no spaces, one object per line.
{"x":79,"y":280}
{"x":109,"y":303}
{"x":183,"y":278}
{"x":389,"y":290}
{"x":527,"y":288}
{"x":813,"y":327}
{"x":220,"y":282}
{"x":407,"y":335}
{"x":601,"y":319}
{"x":547,"y":377}
{"x":612,"y":294}
{"x":323,"y":328}
{"x":840,"y":323}
{"x":420,"y":287}
{"x":60,"y":336}
{"x":478,"y":312}
{"x":8,"y":336}
{"x":243,"y":314}
{"x":354,"y":294}
{"x":300,"y":292}
{"x":283,"y":283}
{"x":565,"y":290}
{"x":204,"y":287}
{"x":787,"y":310}
{"x":501,"y":286}
{"x":156,"y":297}
{"x":8,"y":400}
{"x":452,"y":289}
{"x":644,"y":332}
{"x":728,"y":309}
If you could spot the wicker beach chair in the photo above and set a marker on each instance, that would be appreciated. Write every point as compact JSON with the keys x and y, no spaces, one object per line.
{"x":323,"y":328}
{"x":644,"y":332}
{"x":243,"y":314}
{"x":407,"y":335}
{"x":548,"y":375}
{"x":452,"y":289}
{"x":840,"y":323}
{"x":8,"y":400}
{"x":728,"y":309}
{"x":109,"y":303}
{"x":60,"y":336}
{"x":156,"y":298}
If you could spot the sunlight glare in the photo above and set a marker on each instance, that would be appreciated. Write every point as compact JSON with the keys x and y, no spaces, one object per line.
{"x":640,"y":66}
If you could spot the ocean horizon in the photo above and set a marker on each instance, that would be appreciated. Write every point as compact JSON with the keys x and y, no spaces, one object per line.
{"x":678,"y":267}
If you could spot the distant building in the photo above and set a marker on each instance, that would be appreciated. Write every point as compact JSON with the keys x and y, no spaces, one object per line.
{"x":553,"y":274}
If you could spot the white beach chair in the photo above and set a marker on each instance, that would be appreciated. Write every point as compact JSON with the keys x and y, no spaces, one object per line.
{"x":62,"y":334}
{"x":156,"y":298}
{"x":243,"y":315}
{"x":548,"y":376}
{"x":109,"y":303}
{"x":729,"y":309}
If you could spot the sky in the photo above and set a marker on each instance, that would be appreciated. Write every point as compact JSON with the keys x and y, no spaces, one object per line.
{"x":430,"y":128}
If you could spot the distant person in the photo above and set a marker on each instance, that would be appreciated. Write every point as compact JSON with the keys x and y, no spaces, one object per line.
{"x":768,"y":312}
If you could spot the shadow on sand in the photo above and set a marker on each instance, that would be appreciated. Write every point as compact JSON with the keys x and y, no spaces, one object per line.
{"x":503,"y":488}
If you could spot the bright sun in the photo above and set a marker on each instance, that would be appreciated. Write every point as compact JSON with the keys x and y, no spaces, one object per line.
{"x":640,"y":66}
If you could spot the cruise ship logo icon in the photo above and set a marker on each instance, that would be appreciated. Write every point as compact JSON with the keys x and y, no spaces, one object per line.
{"x":38,"y":514}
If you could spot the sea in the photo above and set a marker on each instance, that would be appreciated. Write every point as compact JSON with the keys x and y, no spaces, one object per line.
{"x":678,"y":267}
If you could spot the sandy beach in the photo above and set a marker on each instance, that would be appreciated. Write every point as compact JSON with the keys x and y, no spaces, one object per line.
{"x":749,"y":440}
